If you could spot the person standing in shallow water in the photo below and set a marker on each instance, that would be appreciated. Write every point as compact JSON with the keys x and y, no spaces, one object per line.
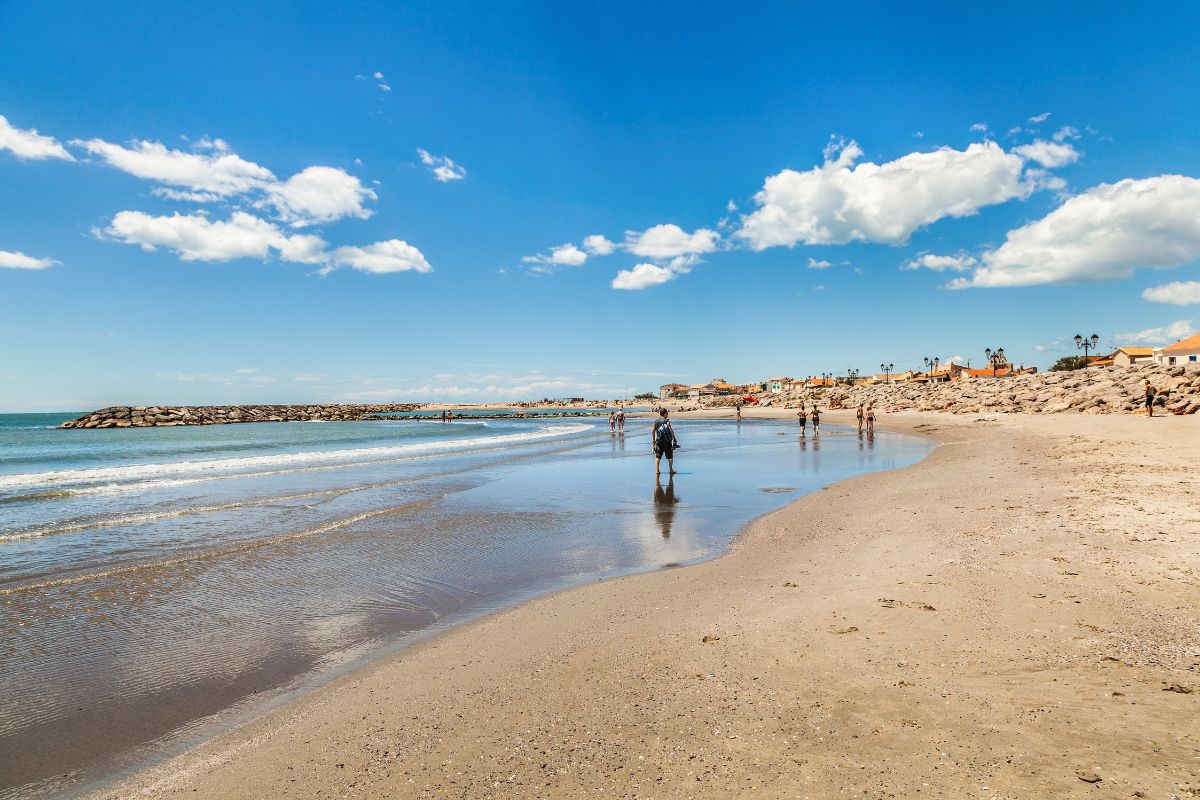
{"x":621,"y":419}
{"x":816,"y":416}
{"x":802,"y":416}
{"x":860,"y":417}
{"x":663,"y":443}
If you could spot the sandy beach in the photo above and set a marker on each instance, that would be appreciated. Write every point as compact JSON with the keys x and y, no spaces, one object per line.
{"x":1015,"y":616}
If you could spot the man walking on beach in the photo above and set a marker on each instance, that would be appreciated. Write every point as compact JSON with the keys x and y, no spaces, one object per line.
{"x":1150,"y":392}
{"x":859,"y":414}
{"x":802,"y":415}
{"x":621,"y":419}
{"x":870,"y":419}
{"x":663,"y":443}
{"x":816,"y":415}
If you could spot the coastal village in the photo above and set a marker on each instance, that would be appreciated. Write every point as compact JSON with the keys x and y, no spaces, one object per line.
{"x":1108,"y":383}
{"x":1184,"y":351}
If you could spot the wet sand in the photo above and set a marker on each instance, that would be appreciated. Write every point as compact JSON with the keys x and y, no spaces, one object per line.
{"x":1015,"y":616}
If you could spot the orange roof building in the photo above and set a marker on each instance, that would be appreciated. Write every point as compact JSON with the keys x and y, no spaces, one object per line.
{"x":1185,"y":351}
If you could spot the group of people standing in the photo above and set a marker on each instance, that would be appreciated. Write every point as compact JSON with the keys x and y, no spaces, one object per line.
{"x":616,"y":420}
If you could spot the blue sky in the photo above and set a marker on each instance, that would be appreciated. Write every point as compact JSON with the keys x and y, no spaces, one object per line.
{"x":205,"y":205}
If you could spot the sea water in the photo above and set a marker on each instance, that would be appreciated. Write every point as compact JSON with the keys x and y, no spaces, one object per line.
{"x":155,"y":581}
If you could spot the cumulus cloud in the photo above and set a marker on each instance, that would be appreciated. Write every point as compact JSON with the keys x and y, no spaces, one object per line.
{"x":320,"y":194}
{"x":1152,"y":336}
{"x":1178,"y":293}
{"x":212,"y":171}
{"x":381,"y":81}
{"x":17,"y":260}
{"x":956,"y":263}
{"x":1040,"y":117}
{"x":218,"y":171}
{"x":670,"y":241}
{"x":814,"y":264}
{"x":643,"y":276}
{"x":597,"y":245}
{"x":841,"y":201}
{"x":30,"y":145}
{"x":1048,"y":154}
{"x":444,"y":168}
{"x":565,"y":255}
{"x":1102,"y":234}
{"x":195,"y":237}
{"x":394,"y":255}
{"x":979,"y":127}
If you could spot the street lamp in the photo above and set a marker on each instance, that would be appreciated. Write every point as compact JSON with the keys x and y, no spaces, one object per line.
{"x":1085,"y":345}
{"x":931,"y":365}
{"x":851,"y":375}
{"x":826,"y":378}
{"x":996,"y":358}
{"x":887,"y":372}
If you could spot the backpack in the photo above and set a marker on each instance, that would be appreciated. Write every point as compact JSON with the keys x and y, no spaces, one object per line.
{"x":663,"y":438}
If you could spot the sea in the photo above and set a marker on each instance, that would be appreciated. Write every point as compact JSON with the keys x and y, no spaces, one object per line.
{"x":159,"y":585}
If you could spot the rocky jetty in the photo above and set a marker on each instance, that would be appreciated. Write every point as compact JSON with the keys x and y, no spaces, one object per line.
{"x":161,"y":416}
{"x":1112,"y":390}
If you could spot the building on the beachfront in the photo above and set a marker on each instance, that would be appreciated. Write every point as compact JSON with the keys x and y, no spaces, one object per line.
{"x":1128,"y":356}
{"x":777,"y":385}
{"x":714,"y":388}
{"x":670,"y":390}
{"x":1185,"y":351}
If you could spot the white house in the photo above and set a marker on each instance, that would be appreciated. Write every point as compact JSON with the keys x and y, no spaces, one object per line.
{"x":1185,"y":351}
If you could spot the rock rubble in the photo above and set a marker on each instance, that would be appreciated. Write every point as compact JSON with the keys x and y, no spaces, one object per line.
{"x":1112,"y":390}
{"x":165,"y":416}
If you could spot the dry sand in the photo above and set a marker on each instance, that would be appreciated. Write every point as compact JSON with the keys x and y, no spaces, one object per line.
{"x":1014,"y":617}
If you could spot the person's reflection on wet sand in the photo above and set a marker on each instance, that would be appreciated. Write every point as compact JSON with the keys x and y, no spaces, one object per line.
{"x":664,"y":505}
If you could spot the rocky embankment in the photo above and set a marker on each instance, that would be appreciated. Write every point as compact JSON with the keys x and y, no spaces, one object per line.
{"x":158,"y":416}
{"x":1112,"y":390}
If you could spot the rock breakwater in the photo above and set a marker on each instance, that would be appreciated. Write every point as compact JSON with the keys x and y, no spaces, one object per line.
{"x":1112,"y":390}
{"x":162,"y":416}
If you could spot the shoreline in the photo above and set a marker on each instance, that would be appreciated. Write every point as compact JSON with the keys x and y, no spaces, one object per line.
{"x":492,"y":712}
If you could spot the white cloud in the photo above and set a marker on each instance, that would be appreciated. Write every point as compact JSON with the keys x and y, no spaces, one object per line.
{"x":565,"y":255}
{"x":16,"y":260}
{"x":643,"y":276}
{"x":383,"y":86}
{"x":1048,"y":154}
{"x":597,"y":245}
{"x":320,"y":194}
{"x":247,"y":370}
{"x":731,"y":206}
{"x":1151,"y":336}
{"x":218,"y":172}
{"x":307,"y":377}
{"x":394,"y":255}
{"x":979,"y":127}
{"x":1040,"y":117}
{"x":1102,"y":234}
{"x":814,"y":264}
{"x":1179,"y":293}
{"x":840,"y":202}
{"x":29,"y":144}
{"x":444,"y":169}
{"x":1064,"y":133}
{"x":194,"y":237}
{"x":313,"y":195}
{"x":670,"y":241}
{"x":956,"y":263}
